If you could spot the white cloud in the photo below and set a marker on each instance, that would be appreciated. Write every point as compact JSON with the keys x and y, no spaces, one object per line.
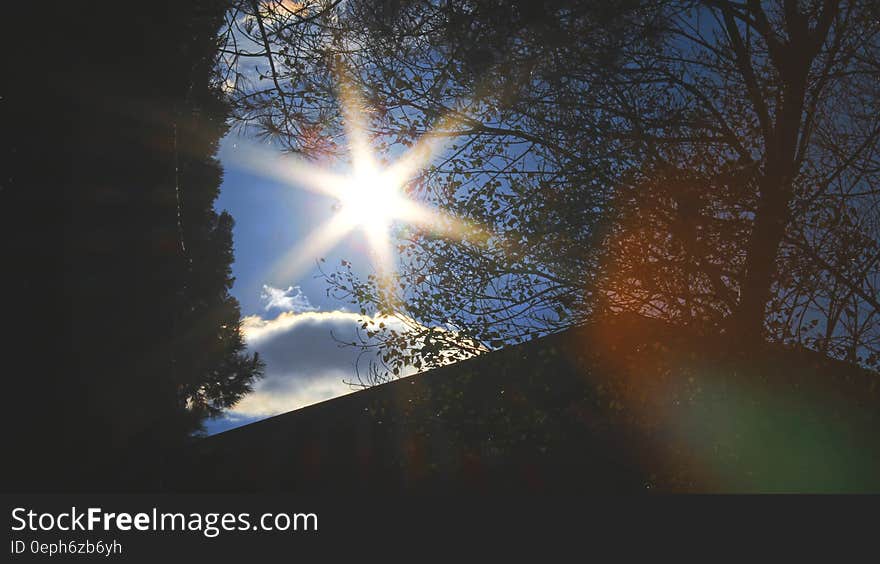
{"x":291,"y":299}
{"x":306,"y":360}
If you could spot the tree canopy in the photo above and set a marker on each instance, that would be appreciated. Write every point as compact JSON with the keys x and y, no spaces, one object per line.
{"x":709,"y":163}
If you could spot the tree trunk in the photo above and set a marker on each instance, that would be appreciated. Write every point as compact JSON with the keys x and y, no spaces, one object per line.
{"x":792,"y":60}
{"x":771,"y":218}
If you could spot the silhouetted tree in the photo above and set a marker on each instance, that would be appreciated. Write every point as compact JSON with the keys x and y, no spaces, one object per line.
{"x":116,"y":266}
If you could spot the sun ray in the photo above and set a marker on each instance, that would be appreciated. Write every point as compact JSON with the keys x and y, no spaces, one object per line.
{"x":356,"y":127}
{"x":426,"y":147}
{"x":297,"y":260}
{"x":380,"y":243}
{"x":289,"y":169}
{"x":370,"y":198}
{"x":442,"y":223}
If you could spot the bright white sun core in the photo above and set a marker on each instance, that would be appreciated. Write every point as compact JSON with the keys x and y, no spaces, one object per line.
{"x":371,"y":201}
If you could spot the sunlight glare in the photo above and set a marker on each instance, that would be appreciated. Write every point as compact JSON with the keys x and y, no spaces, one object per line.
{"x":369,"y":198}
{"x":370,"y":201}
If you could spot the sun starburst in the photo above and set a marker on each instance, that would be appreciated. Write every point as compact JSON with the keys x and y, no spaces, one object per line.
{"x":370,"y":197}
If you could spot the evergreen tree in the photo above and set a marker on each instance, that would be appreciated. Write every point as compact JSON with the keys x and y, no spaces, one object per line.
{"x":108,"y":217}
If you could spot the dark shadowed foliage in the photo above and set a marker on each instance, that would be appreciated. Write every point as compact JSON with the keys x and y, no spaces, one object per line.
{"x":121,"y":333}
{"x":625,"y":405}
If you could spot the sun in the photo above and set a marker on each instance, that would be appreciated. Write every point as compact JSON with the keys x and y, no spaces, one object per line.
{"x":369,"y":198}
{"x":371,"y":201}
